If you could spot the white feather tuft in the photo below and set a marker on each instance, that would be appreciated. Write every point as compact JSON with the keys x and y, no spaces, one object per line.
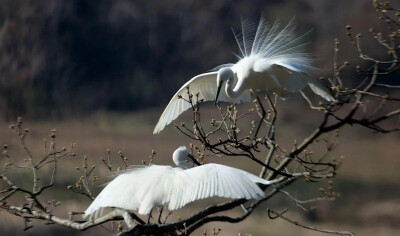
{"x":274,"y":43}
{"x":278,"y":58}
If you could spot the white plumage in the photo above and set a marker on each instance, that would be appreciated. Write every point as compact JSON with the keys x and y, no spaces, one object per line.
{"x":272,"y":60}
{"x":144,"y":187}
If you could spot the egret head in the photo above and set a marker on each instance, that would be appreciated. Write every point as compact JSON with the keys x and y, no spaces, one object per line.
{"x":182,"y":157}
{"x":224,"y":74}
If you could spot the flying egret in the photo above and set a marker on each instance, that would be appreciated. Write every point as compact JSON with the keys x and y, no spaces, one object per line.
{"x":272,"y":60}
{"x":144,"y":187}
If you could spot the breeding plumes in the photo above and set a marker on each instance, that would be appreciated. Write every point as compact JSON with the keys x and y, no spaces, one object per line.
{"x":144,"y":187}
{"x":272,"y":60}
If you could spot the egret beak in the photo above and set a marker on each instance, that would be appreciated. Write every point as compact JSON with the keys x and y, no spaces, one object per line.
{"x":218,"y":91}
{"x":194,"y":160}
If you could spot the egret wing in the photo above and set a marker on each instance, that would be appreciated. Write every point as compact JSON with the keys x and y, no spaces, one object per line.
{"x":318,"y":88}
{"x":214,"y":180}
{"x":288,"y":77}
{"x":136,"y":189}
{"x":203,"y":84}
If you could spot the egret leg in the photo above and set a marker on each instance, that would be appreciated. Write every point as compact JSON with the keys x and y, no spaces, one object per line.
{"x":150,"y":217}
{"x":159,"y":216}
{"x":263,"y":113}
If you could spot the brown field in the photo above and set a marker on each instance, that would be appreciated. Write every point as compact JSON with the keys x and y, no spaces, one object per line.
{"x":368,"y":180}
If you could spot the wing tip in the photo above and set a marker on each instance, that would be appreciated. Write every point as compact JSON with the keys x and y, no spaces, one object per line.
{"x":265,"y":182}
{"x":322,"y":91}
{"x":159,"y":127}
{"x":329,"y":98}
{"x":93,"y":213}
{"x":89,"y":213}
{"x":156,"y":131}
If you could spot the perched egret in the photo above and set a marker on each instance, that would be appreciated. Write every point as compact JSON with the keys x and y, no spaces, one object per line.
{"x":144,"y":187}
{"x":272,"y":60}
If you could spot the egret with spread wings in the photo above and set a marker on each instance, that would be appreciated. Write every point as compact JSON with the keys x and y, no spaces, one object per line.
{"x":144,"y":187}
{"x":272,"y":60}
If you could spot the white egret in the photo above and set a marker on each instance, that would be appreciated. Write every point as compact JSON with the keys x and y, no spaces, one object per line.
{"x":272,"y":60}
{"x":144,"y":187}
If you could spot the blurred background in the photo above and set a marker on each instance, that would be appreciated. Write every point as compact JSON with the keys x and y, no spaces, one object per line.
{"x":101,"y":72}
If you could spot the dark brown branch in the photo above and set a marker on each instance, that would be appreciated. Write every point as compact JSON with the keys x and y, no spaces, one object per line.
{"x":273,"y":214}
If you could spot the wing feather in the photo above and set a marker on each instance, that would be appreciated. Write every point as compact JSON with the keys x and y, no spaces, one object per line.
{"x":136,"y":189}
{"x":212,"y":180}
{"x":145,"y":187}
{"x":285,"y":77}
{"x":227,"y":188}
{"x":205,"y":85}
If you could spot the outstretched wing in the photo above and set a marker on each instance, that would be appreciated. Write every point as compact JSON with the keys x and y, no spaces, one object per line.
{"x":294,"y":79}
{"x":286,"y":77}
{"x":212,"y":180}
{"x":129,"y":189}
{"x":143,"y":188}
{"x":205,"y":85}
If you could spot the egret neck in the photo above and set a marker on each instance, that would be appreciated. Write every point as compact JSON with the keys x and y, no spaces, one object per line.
{"x":226,"y":74}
